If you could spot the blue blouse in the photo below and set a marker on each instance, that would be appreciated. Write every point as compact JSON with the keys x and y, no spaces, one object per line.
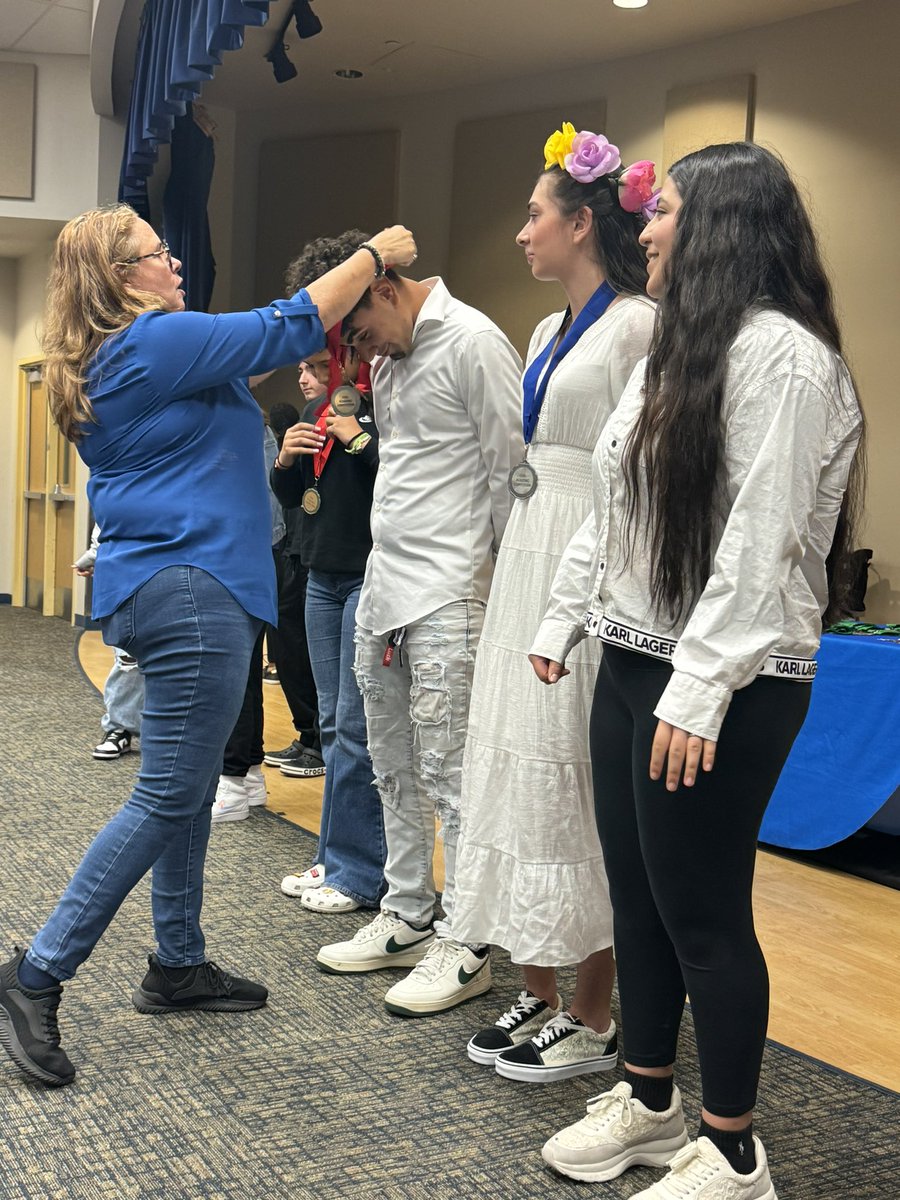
{"x":178,"y":476}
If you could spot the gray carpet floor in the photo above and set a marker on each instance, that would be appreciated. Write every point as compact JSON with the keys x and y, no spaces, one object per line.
{"x":323,"y":1093}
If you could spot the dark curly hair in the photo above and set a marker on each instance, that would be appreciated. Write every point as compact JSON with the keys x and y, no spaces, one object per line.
{"x":319,"y":256}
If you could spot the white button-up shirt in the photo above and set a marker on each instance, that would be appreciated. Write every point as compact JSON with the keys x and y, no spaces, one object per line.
{"x":792,"y":424}
{"x":450,"y":423}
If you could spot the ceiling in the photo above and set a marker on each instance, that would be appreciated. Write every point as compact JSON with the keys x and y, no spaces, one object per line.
{"x":405,"y":47}
{"x":46,"y":26}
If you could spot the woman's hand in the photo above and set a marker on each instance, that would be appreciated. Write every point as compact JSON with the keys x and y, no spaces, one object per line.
{"x":674,"y":749}
{"x":300,"y":439}
{"x":396,"y":245}
{"x":345,"y":429}
{"x":546,"y":669}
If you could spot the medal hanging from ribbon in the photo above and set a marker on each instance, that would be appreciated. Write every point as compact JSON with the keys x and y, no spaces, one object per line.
{"x":523,"y":479}
{"x":344,"y":400}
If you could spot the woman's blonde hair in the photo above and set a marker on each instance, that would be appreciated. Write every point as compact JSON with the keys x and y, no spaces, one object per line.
{"x":88,"y":300}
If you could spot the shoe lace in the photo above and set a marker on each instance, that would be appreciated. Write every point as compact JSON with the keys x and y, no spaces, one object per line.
{"x":378,"y":926}
{"x":436,"y":959}
{"x":523,"y":1007}
{"x":554,"y":1030}
{"x":49,"y":1020}
{"x":217,"y":980}
{"x":608,"y":1107}
{"x":688,"y":1171}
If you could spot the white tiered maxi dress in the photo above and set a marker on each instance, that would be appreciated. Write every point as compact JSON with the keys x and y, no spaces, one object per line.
{"x":529,"y":872}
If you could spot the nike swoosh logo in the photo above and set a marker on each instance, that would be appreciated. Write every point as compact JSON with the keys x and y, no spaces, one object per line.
{"x":392,"y":946}
{"x":467,"y":976}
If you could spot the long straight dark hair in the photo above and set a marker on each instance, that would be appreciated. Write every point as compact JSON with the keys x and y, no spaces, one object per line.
{"x":742,"y":237}
{"x":616,"y":231}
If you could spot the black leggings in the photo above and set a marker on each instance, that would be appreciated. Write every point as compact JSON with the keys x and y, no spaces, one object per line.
{"x":680,"y":867}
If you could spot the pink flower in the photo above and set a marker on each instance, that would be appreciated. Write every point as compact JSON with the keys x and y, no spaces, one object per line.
{"x":648,"y":208}
{"x":636,"y":185}
{"x":592,"y":156}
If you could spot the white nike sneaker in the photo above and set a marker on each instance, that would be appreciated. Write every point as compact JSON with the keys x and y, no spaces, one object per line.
{"x":448,"y":974}
{"x":617,"y":1133}
{"x":385,"y":942}
{"x":700,"y":1171}
{"x":255,"y":787}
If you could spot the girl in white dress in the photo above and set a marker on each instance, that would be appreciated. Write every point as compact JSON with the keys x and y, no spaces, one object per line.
{"x":530,"y":871}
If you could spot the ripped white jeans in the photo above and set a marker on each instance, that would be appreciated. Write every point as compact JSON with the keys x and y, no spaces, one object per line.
{"x":416,"y":713}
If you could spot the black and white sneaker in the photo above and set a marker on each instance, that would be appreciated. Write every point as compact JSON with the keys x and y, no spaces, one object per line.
{"x":116,"y":742}
{"x":305,"y":765}
{"x":564,"y":1047}
{"x":527,"y":1017}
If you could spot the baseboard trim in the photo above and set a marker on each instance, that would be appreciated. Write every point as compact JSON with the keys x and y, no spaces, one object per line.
{"x":84,"y":622}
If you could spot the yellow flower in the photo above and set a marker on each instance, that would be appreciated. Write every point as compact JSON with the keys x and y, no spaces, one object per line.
{"x":558,"y":145}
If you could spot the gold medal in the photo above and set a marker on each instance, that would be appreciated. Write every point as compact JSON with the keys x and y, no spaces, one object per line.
{"x":522,"y":481}
{"x":345,"y":400}
{"x":311,"y":501}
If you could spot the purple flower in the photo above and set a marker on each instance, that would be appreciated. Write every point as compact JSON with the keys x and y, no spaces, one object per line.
{"x":592,"y":156}
{"x":648,"y":208}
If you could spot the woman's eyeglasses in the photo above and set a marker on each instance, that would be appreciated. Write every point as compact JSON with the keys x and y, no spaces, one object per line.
{"x":163,"y":250}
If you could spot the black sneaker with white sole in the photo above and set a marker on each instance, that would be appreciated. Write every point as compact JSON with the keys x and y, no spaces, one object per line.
{"x":29,"y":1032}
{"x":206,"y":987}
{"x":522,"y":1021}
{"x":116,"y":742}
{"x":564,"y":1047}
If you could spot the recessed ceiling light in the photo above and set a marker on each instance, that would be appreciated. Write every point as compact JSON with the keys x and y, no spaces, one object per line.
{"x":348,"y":73}
{"x":631,"y":3}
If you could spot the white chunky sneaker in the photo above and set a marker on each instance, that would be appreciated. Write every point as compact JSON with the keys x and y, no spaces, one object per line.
{"x":385,"y":942}
{"x":448,"y":974}
{"x":618,"y":1132}
{"x":255,"y":787}
{"x":564,"y":1047}
{"x":519,"y":1023}
{"x":231,"y":800}
{"x":700,"y":1171}
{"x":296,"y":885}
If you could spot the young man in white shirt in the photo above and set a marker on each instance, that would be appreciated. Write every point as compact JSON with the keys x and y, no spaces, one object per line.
{"x":446,"y":384}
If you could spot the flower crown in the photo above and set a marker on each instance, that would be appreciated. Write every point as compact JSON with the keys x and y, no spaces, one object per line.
{"x":586,"y":156}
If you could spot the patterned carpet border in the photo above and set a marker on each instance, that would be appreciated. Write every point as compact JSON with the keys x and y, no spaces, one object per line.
{"x":323,"y":1094}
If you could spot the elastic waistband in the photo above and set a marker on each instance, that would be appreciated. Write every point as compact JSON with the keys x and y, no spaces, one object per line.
{"x":782,"y":666}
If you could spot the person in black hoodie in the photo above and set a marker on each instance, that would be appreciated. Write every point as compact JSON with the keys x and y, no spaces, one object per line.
{"x":325,"y":471}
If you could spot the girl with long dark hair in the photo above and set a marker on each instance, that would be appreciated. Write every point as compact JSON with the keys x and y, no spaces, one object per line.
{"x":725,"y":487}
{"x":529,"y":851}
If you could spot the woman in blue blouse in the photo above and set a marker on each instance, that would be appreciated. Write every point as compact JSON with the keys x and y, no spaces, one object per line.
{"x":156,"y":401}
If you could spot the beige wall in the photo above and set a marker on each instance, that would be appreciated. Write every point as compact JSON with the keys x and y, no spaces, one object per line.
{"x":828,"y":94}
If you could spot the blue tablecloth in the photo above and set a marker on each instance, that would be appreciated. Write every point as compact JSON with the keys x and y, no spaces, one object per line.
{"x":845,"y":763}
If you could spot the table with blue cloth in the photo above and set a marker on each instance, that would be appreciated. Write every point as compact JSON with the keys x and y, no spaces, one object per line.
{"x":844,"y":767}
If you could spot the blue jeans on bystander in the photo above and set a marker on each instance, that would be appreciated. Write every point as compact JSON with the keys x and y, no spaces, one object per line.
{"x":351,"y":841}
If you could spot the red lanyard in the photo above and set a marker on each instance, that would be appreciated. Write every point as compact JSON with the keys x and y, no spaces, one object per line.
{"x":320,"y":458}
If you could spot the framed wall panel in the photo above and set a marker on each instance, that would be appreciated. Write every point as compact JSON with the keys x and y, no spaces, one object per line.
{"x":496,"y":162}
{"x":702,"y":114}
{"x":18,"y":82}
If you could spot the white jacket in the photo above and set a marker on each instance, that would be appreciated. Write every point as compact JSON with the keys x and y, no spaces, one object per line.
{"x":792,"y":424}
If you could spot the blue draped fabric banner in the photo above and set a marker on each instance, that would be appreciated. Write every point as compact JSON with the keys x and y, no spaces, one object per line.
{"x":180,"y":44}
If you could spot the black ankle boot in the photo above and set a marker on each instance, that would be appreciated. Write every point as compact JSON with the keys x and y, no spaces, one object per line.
{"x":29,"y":1032}
{"x":205,"y":987}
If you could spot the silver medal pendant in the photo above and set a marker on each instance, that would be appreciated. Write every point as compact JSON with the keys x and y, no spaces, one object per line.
{"x":345,"y":400}
{"x":523,"y":480}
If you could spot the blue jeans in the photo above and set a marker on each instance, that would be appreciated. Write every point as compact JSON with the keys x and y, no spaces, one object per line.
{"x":123,"y":696}
{"x":351,"y":842}
{"x":193,"y":642}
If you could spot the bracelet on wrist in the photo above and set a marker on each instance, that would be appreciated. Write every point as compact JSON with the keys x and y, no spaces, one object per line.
{"x":379,"y":261}
{"x":279,"y":465}
{"x":358,"y":444}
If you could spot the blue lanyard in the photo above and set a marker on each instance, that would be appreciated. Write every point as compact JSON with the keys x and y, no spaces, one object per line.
{"x":535,"y":380}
